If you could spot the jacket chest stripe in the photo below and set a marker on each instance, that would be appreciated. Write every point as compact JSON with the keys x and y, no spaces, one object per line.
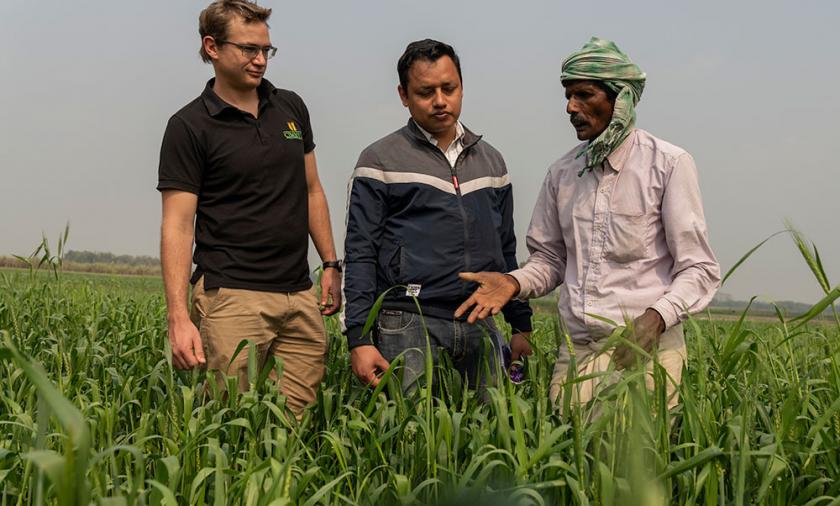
{"x":404,"y":177}
{"x":440,"y":184}
{"x":484,"y":182}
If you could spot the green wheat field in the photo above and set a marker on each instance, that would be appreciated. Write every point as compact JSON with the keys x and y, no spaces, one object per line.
{"x":91,"y":412}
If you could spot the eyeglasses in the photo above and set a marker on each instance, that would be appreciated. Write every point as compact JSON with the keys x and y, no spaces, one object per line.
{"x":251,"y":51}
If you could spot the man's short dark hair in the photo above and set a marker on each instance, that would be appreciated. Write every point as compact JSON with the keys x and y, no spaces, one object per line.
{"x":427,"y":50}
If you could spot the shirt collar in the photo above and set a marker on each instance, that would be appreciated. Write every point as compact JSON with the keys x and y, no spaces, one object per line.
{"x":617,"y":158}
{"x":216,"y":105}
{"x":459,"y":133}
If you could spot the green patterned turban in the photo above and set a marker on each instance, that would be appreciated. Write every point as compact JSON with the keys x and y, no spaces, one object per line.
{"x":601,"y":60}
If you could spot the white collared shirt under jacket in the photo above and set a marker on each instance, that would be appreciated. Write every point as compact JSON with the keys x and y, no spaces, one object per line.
{"x":455,"y":147}
{"x":624,"y":237}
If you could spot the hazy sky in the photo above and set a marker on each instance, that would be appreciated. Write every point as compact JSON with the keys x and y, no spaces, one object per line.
{"x":749,"y":88}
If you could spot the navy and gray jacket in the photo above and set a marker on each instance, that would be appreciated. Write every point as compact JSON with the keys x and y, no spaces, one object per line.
{"x":413,"y":220}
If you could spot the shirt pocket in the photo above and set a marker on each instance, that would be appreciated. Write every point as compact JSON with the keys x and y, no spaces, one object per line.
{"x":627,"y":241}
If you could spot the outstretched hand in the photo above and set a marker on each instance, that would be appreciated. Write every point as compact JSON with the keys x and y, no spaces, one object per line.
{"x":494,"y":291}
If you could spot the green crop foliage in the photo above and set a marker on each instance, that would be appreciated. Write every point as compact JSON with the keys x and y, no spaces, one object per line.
{"x":91,"y":412}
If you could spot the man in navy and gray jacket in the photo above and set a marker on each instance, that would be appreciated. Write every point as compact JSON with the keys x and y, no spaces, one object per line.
{"x":427,"y":202}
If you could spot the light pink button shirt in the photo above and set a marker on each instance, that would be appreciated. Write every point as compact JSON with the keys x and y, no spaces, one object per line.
{"x":622,"y":238}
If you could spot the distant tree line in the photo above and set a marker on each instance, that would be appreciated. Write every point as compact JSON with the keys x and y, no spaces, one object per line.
{"x":97,"y":257}
{"x":790,"y":307}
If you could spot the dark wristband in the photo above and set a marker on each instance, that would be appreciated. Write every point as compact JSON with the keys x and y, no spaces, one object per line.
{"x":335,"y":264}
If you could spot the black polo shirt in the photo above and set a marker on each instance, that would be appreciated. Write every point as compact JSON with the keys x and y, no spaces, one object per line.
{"x":252,"y":220}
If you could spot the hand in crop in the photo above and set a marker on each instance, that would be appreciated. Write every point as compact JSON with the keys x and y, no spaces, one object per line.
{"x":187,"y":351}
{"x":519,"y":346}
{"x":494,"y":291}
{"x":368,"y":364}
{"x":330,"y":291}
{"x":645,"y":332}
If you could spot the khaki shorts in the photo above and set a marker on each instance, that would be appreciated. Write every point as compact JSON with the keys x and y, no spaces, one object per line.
{"x":286,"y":325}
{"x":670,"y":352}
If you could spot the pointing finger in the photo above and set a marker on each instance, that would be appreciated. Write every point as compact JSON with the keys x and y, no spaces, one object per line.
{"x":469,"y":276}
{"x":474,"y":316}
{"x":463,"y":308}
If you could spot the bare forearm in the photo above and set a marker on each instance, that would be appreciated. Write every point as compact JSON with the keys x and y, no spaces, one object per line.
{"x":176,"y":260}
{"x":319,"y":225}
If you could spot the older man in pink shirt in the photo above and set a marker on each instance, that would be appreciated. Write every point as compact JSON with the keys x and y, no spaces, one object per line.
{"x":618,"y":227}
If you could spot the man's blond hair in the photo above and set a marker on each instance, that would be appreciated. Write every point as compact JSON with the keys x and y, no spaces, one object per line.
{"x":215,"y":19}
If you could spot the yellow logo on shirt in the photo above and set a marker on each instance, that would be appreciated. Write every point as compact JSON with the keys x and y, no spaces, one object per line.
{"x":292,"y":132}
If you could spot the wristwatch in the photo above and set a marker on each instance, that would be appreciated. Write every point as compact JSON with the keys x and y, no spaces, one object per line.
{"x":335,"y":264}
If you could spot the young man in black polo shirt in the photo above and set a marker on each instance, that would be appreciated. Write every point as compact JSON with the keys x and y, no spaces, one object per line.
{"x":239,"y":162}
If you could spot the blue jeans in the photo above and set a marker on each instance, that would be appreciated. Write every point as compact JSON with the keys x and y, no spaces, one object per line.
{"x":466,"y":345}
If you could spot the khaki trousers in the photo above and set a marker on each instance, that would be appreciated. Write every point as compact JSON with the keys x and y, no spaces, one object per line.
{"x":286,"y":325}
{"x":670,"y":352}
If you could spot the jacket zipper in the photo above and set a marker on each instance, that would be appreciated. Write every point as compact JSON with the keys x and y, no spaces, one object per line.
{"x":453,"y":171}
